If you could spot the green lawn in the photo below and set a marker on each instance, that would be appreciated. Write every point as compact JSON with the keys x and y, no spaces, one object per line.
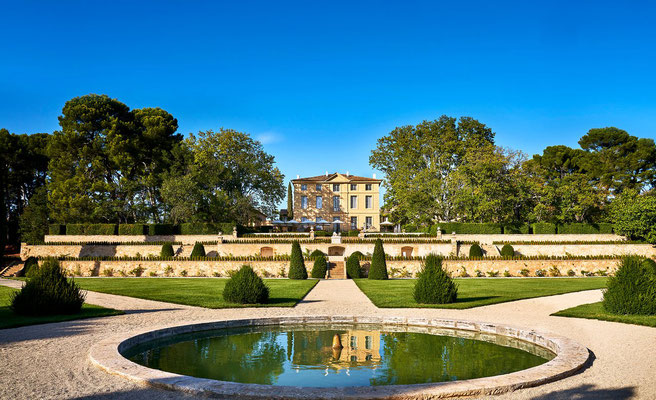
{"x":201,"y":292}
{"x":10,"y":320}
{"x":596,"y":311}
{"x":397,"y":293}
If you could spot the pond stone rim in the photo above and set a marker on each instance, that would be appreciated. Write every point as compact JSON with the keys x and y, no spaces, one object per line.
{"x":570,"y":358}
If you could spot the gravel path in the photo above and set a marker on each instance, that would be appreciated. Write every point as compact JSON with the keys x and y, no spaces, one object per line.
{"x":51,"y":361}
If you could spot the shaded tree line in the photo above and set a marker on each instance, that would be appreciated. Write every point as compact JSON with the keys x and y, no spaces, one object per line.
{"x":109,"y":163}
{"x":452,"y":170}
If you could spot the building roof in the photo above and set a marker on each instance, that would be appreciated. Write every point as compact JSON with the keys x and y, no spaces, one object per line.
{"x":329,"y":177}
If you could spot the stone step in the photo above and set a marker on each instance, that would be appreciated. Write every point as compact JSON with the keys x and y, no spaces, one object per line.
{"x":11,"y":270}
{"x":336,"y":270}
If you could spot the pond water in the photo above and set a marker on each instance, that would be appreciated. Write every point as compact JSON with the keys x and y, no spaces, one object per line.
{"x":370,"y":355}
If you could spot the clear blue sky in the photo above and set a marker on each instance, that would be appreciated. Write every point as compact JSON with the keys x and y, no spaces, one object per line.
{"x":319,"y":82}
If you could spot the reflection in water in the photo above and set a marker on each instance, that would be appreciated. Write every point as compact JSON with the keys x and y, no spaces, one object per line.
{"x":304,"y":356}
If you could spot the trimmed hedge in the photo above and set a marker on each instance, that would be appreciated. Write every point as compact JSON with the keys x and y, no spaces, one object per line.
{"x":297,"y":264}
{"x":475,"y":251}
{"x":132,"y":229}
{"x":633,"y":288}
{"x":543,"y":228}
{"x":246,"y":287}
{"x":161,"y":229}
{"x":434,"y":285}
{"x":206,"y":228}
{"x":516,"y":229}
{"x":30,"y":267}
{"x":320,"y":267}
{"x":507,"y":251}
{"x":317,"y":253}
{"x":353,"y":269}
{"x":91,"y":229}
{"x":56,"y":229}
{"x":378,"y":268}
{"x":167,"y":251}
{"x":198,"y":250}
{"x":585,"y":229}
{"x":467,"y":228}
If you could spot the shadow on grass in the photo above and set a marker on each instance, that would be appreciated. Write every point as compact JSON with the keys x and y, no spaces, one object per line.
{"x":589,"y":392}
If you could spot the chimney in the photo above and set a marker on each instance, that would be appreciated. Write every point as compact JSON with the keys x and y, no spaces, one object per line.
{"x":374,"y":176}
{"x":299,"y":177}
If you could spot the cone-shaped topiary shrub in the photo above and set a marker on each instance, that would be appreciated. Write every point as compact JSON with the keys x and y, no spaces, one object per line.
{"x":245,"y":287}
{"x":167,"y":250}
{"x":48,"y":292}
{"x":297,"y":264}
{"x":358,"y":253}
{"x":30,"y":267}
{"x":475,"y":251}
{"x":633,"y":288}
{"x":378,"y":268}
{"x":507,"y":251}
{"x":434,"y":285}
{"x":198,"y":250}
{"x":320,"y":267}
{"x":353,"y":270}
{"x":316,"y":253}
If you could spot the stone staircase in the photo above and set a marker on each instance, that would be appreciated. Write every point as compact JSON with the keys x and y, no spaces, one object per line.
{"x":12,"y":269}
{"x":336,"y":267}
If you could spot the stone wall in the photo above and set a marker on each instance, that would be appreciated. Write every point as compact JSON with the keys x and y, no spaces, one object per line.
{"x":408,"y":268}
{"x":186,"y":239}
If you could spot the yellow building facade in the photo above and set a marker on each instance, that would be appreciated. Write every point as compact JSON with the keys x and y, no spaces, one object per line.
{"x":353,"y":200}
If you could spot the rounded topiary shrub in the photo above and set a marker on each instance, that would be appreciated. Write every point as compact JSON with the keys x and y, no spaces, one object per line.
{"x":507,"y":251}
{"x":30,"y":267}
{"x":198,"y":250}
{"x":48,"y":292}
{"x":633,"y":288}
{"x":246,"y":287}
{"x":353,"y":270}
{"x":378,"y":268}
{"x":434,"y":285}
{"x":167,"y":250}
{"x":320,"y":267}
{"x":475,"y":251}
{"x":317,"y":253}
{"x":297,"y":264}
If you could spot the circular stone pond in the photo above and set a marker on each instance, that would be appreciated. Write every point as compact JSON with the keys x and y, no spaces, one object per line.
{"x":337,"y":357}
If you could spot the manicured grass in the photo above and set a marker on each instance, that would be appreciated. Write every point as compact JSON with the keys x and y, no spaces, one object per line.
{"x":10,"y":320}
{"x":596,"y":311}
{"x":200,"y":292}
{"x":472,"y":292}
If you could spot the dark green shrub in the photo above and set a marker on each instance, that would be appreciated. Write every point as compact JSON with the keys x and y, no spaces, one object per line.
{"x":206,"y":228}
{"x":583,"y":229}
{"x":167,"y":251}
{"x":475,"y":251}
{"x":516,"y":229}
{"x":543,"y":228}
{"x":91,"y":229}
{"x":198,"y":250}
{"x":246,"y":287}
{"x":507,"y":251}
{"x":322,"y":234}
{"x":469,"y":228}
{"x":132,"y":229}
{"x":358,"y":253}
{"x":434,"y":285}
{"x":161,"y":229}
{"x":320,"y":267}
{"x":56,"y":229}
{"x":30,"y":267}
{"x":353,"y":270}
{"x":353,"y":233}
{"x":650,"y":264}
{"x":317,"y":253}
{"x":378,"y":268}
{"x":48,"y":292}
{"x":524,"y":272}
{"x":410,"y":228}
{"x":297,"y":264}
{"x":633,"y":288}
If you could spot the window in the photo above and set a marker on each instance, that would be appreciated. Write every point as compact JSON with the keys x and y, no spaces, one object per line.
{"x":303,"y":186}
{"x":335,"y":187}
{"x":354,"y":223}
{"x":304,"y":202}
{"x":319,"y":202}
{"x":367,"y":186}
{"x":318,"y":187}
{"x":354,"y":186}
{"x":368,"y":357}
{"x":354,"y":358}
{"x":354,"y":342}
{"x":369,"y":222}
{"x":354,"y":201}
{"x":368,"y":202}
{"x":367,"y":342}
{"x":335,"y":203}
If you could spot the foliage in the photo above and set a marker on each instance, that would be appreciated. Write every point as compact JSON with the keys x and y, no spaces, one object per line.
{"x":543,"y":228}
{"x":297,"y":264}
{"x":198,"y":250}
{"x":91,"y":229}
{"x":475,"y":251}
{"x":378,"y":268}
{"x":353,"y":233}
{"x":30,"y":267}
{"x":320,"y":267}
{"x":132,"y":229}
{"x":246,"y":287}
{"x":524,"y":272}
{"x":56,"y":229}
{"x":633,"y":288}
{"x":161,"y":229}
{"x":434,"y":285}
{"x":290,"y":201}
{"x":580,"y":228}
{"x":33,"y":223}
{"x":167,"y":250}
{"x":206,"y":228}
{"x":507,"y":251}
{"x":516,"y":228}
{"x":353,"y":269}
{"x":634,"y":215}
{"x":48,"y":292}
{"x":597,"y":311}
{"x":554,"y":271}
{"x":540,"y":272}
{"x":316,"y":253}
{"x":467,"y":228}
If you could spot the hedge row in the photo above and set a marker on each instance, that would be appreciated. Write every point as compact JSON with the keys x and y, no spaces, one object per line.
{"x":537,"y":228}
{"x":207,"y":228}
{"x":465,"y":228}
